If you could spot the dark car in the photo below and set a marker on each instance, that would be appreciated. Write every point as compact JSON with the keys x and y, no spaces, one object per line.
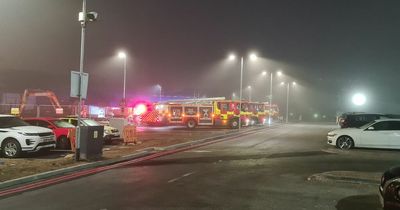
{"x":356,"y":120}
{"x":390,"y":189}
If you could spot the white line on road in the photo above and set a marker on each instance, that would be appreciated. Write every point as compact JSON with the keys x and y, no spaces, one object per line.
{"x":198,"y":151}
{"x":178,"y":178}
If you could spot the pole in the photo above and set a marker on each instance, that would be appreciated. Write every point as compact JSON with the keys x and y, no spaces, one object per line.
{"x":287,"y":102}
{"x":78,"y":128}
{"x":249,"y":94}
{"x":270,"y":100}
{"x":240,"y":94}
{"x":124,"y":93}
{"x":160,"y":93}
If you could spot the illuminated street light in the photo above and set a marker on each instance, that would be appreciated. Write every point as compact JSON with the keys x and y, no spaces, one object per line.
{"x":233,"y":96}
{"x":282,"y":83}
{"x":264,"y":73}
{"x":279,"y":73}
{"x":294,"y":83}
{"x":359,"y":99}
{"x":253,"y":57}
{"x":232,"y":57}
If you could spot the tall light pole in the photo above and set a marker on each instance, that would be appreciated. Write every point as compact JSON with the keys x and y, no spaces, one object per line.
{"x":83,"y":18}
{"x":160,"y":87}
{"x":122,"y":55}
{"x":232,"y":57}
{"x":249,"y":88}
{"x":287,"y":98}
{"x":279,"y":73}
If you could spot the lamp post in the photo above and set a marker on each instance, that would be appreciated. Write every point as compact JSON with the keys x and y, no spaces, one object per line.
{"x":84,"y":17}
{"x":160,"y":87}
{"x":249,"y":88}
{"x":122,"y":55}
{"x":287,"y":98}
{"x":279,"y":73}
{"x":232,"y":57}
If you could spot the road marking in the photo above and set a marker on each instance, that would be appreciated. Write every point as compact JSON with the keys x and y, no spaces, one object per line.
{"x":178,"y":178}
{"x":198,"y":151}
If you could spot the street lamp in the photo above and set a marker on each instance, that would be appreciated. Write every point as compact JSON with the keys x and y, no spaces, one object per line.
{"x":122,"y":55}
{"x":233,"y":96}
{"x":287,"y":97}
{"x":249,"y":88}
{"x":159,"y":86}
{"x":279,"y":73}
{"x":232,"y":57}
{"x":359,"y":99}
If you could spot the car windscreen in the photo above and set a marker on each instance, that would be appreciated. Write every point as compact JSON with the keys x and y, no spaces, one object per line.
{"x":8,"y":122}
{"x":62,"y":124}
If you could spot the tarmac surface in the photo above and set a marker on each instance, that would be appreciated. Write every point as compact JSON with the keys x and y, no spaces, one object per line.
{"x":270,"y":169}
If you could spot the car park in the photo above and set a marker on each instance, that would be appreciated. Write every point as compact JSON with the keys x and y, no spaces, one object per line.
{"x":60,"y":128}
{"x":389,"y":189}
{"x":110,"y":133}
{"x":17,"y":136}
{"x":384,"y":133}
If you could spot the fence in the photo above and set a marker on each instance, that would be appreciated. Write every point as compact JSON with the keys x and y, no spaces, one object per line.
{"x":31,"y":110}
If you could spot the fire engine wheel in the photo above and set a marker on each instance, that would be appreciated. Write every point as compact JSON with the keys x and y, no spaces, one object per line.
{"x":234,"y":123}
{"x":191,"y":123}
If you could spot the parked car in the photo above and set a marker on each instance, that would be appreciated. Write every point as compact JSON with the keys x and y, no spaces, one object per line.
{"x":390,"y":189}
{"x":110,"y":133}
{"x":59,"y":127}
{"x":17,"y":136}
{"x":384,"y":133}
{"x":355,"y":120}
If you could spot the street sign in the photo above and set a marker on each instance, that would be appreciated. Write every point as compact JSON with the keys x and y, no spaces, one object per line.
{"x":75,"y":84}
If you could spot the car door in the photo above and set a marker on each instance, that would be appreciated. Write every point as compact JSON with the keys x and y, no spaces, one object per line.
{"x":378,"y":135}
{"x":394,"y":135}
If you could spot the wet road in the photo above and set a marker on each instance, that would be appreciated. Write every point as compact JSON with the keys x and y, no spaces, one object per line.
{"x":266,"y":170}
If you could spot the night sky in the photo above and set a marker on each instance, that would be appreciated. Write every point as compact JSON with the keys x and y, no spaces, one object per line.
{"x":331,"y":48}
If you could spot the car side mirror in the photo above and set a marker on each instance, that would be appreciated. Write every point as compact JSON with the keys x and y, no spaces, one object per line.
{"x":371,"y":128}
{"x":50,"y":127}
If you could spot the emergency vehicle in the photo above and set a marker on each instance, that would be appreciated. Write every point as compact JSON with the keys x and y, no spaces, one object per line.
{"x":210,"y":112}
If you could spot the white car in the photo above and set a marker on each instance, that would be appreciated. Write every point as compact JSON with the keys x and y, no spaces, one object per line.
{"x":384,"y":133}
{"x":17,"y":136}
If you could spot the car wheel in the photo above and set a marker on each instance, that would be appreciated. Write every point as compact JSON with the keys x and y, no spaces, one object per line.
{"x":191,"y":124}
{"x":11,"y":148}
{"x":345,"y":142}
{"x":107,"y":140}
{"x":234,"y":123}
{"x":63,"y":143}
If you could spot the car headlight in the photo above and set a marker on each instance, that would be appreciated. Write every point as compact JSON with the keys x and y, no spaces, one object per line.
{"x":29,"y":134}
{"x":332,"y":134}
{"x":107,"y":131}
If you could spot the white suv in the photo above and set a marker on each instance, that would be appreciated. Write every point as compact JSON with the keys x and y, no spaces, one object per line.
{"x":17,"y":136}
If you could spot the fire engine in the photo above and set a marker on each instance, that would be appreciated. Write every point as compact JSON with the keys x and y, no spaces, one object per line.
{"x":207,"y":112}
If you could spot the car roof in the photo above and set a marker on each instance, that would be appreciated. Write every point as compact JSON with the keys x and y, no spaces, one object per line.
{"x":382,"y":120}
{"x":41,"y":118}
